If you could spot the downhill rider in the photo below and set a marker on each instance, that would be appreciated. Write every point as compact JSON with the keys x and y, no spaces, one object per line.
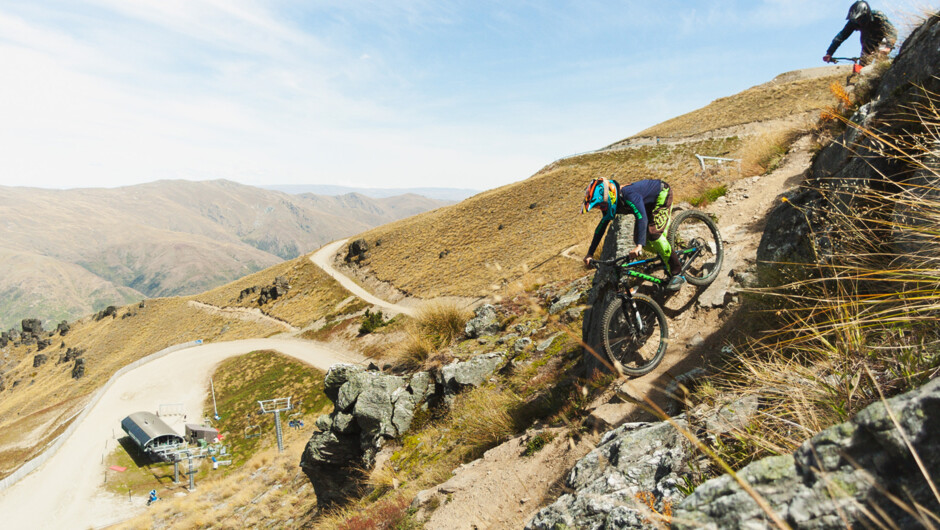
{"x":650,"y":202}
{"x":877,"y":33}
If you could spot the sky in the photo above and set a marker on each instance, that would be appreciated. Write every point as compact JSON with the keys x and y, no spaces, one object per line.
{"x":371,"y":93}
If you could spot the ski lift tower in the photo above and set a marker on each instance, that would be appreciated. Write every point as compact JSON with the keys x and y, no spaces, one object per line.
{"x":276,"y":406}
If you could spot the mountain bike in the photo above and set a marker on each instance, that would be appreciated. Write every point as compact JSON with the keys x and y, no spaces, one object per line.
{"x":635,"y":331}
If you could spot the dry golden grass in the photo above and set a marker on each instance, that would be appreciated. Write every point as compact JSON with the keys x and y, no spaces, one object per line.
{"x":313,"y":293}
{"x":763,"y":152}
{"x":500,"y":236}
{"x":760,"y":103}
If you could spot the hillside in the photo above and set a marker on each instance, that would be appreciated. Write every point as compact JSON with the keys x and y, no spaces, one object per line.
{"x":108,"y":246}
{"x":519,"y":231}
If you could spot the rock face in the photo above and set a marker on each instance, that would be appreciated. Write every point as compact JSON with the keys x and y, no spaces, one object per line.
{"x":371,"y":407}
{"x":636,"y":467}
{"x":485,"y":321}
{"x":78,"y":371}
{"x":357,"y":250}
{"x":32,"y":326}
{"x":797,"y":230}
{"x":834,"y":479}
{"x":619,"y":241}
{"x":274,"y":291}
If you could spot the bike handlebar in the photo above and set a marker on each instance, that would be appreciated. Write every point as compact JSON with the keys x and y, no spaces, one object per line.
{"x":837,"y":59}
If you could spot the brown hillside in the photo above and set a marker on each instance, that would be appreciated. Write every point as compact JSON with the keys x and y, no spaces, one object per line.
{"x":517,"y":232}
{"x":789,"y":94}
{"x":164,"y":238}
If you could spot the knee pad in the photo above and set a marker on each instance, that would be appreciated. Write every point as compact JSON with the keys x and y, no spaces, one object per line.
{"x":661,"y":246}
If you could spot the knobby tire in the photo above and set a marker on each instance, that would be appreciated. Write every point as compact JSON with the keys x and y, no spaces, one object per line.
{"x":636,"y":355}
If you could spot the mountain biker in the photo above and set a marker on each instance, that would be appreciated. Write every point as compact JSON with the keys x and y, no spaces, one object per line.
{"x":877,"y":33}
{"x":650,"y":202}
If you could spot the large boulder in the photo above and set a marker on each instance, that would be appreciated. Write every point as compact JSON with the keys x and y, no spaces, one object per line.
{"x":459,"y":375}
{"x":371,"y":407}
{"x":32,"y":326}
{"x":39,"y":360}
{"x":838,"y":478}
{"x":63,"y":328}
{"x":485,"y":321}
{"x":636,"y":467}
{"x":357,"y":250}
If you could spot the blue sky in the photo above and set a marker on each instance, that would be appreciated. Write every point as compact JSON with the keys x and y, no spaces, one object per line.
{"x":467,"y":94}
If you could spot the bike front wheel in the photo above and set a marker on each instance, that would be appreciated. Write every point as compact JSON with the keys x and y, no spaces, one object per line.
{"x":637,"y":352}
{"x":694,"y":236}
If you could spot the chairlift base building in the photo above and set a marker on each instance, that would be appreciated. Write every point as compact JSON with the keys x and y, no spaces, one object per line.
{"x":149,"y":432}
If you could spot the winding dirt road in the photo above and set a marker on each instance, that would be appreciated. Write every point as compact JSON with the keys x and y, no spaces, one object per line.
{"x":323,"y":258}
{"x":64,"y":492}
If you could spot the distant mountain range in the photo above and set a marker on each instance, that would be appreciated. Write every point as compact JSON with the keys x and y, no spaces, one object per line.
{"x":67,"y":253}
{"x":443,"y":194}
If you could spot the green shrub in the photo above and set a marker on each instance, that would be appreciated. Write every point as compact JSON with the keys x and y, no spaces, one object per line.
{"x":371,"y":322}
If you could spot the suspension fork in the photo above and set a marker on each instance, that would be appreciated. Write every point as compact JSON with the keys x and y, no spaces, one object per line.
{"x":630,"y":311}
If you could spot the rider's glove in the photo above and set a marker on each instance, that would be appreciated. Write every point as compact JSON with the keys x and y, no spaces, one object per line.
{"x":827,"y":58}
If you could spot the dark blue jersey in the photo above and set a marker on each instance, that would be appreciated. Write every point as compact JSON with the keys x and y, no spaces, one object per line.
{"x":636,"y":199}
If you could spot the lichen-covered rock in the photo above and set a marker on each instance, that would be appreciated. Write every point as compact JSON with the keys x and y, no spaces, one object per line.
{"x":336,"y":377}
{"x":485,"y":321}
{"x":634,"y":465}
{"x":32,"y":326}
{"x":371,"y":407}
{"x":474,"y":372}
{"x":837,"y":476}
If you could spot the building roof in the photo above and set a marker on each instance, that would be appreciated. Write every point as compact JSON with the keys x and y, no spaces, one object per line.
{"x":149,"y":431}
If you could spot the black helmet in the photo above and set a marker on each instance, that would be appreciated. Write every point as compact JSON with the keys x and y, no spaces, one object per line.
{"x":859,"y":12}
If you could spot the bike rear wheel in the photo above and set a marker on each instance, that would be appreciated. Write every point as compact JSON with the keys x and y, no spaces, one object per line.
{"x":636,"y":353}
{"x":694,"y":233}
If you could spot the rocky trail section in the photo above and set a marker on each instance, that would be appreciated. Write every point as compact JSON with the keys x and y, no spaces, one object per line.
{"x":504,"y":490}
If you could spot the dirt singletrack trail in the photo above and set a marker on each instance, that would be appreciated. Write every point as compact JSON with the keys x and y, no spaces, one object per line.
{"x":504,"y":490}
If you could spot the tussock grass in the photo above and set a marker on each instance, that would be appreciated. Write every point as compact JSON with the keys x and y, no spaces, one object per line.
{"x":484,"y":418}
{"x":762,"y":153}
{"x":442,"y":322}
{"x":437,"y":326}
{"x":860,"y":322}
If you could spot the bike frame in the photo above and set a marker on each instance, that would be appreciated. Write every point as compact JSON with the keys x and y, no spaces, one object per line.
{"x":621,"y":267}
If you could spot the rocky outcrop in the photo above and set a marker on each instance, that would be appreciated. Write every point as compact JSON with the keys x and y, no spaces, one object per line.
{"x":371,"y":407}
{"x":357,"y":251}
{"x":63,"y":328}
{"x":278,"y":288}
{"x":32,"y":326}
{"x":485,"y":321}
{"x":618,"y":241}
{"x":39,"y":360}
{"x":78,"y":371}
{"x":110,"y":311}
{"x":70,"y":355}
{"x":634,"y":472}
{"x":798,"y":229}
{"x":840,"y":477}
